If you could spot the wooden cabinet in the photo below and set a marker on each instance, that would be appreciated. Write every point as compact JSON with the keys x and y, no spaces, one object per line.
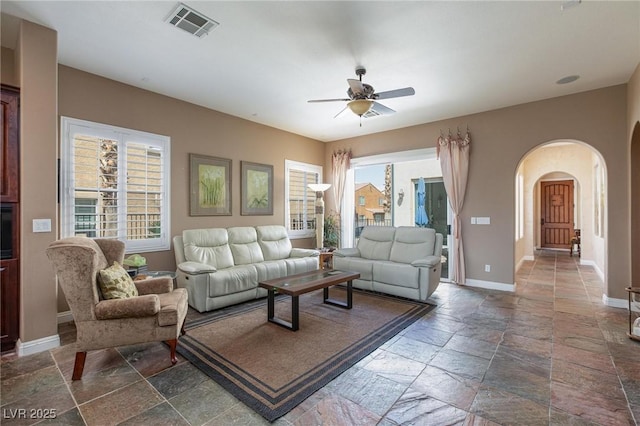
{"x":9,"y":218}
{"x":10,"y":182}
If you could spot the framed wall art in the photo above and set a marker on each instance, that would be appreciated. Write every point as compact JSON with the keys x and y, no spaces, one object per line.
{"x":209,"y":186}
{"x":256,"y":189}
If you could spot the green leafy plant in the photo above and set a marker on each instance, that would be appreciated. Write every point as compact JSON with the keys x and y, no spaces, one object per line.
{"x":332,"y":230}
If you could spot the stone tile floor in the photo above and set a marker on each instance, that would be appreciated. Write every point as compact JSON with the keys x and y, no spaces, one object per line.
{"x":550,"y":353}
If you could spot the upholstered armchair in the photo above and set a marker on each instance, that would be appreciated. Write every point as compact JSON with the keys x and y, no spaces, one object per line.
{"x":157,"y":313}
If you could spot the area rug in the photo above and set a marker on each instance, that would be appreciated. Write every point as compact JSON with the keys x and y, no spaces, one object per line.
{"x":272,"y":369}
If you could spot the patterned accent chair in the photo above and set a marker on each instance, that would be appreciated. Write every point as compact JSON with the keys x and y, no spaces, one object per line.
{"x":156,"y":314}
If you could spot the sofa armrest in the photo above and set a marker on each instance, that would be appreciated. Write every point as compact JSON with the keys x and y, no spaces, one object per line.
{"x":157,"y":285}
{"x":347,"y":252}
{"x":196,"y":268}
{"x":300,"y":252}
{"x":132,"y":307}
{"x":429,"y":261}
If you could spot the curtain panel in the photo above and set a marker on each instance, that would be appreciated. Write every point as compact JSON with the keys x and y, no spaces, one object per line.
{"x":341,"y":162}
{"x":453,"y":152}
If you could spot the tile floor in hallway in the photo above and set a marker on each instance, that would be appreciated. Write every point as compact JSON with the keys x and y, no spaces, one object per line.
{"x":550,"y":353}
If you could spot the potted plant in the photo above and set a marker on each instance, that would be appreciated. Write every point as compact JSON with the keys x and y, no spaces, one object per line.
{"x":332,"y":231}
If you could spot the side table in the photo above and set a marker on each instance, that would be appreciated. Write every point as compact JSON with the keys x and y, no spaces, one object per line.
{"x":634,"y":325}
{"x":326,"y":260}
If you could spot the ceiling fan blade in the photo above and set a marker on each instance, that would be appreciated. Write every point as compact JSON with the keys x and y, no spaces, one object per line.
{"x":356,"y":86}
{"x":397,"y":93}
{"x":341,"y":111}
{"x":381,"y":109}
{"x":328,"y":100}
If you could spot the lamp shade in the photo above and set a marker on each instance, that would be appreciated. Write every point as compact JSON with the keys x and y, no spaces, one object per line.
{"x":360,"y":106}
{"x":319,"y":187}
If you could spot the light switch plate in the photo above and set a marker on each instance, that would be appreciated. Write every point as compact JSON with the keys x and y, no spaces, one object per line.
{"x":41,"y":225}
{"x":483,"y":220}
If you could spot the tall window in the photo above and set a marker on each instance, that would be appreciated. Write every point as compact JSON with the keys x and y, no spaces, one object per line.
{"x":115,"y":184}
{"x":300,"y":200}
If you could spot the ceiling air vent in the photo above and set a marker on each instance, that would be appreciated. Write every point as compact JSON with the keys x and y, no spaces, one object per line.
{"x":371,"y":113}
{"x":191,"y":21}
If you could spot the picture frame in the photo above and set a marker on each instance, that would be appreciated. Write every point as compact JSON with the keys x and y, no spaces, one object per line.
{"x":256,"y":189}
{"x":209,"y":186}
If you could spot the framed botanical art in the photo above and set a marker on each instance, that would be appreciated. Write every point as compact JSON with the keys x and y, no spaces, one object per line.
{"x":256,"y":189}
{"x":209,"y":186}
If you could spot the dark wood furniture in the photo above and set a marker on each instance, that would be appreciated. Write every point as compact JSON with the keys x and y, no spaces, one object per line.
{"x":634,"y":295}
{"x":9,"y":207}
{"x":575,"y":241}
{"x":326,"y":260}
{"x":295,"y":285}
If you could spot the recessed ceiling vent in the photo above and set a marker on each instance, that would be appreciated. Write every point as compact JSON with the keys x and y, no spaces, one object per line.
{"x":191,"y":21}
{"x":371,"y":113}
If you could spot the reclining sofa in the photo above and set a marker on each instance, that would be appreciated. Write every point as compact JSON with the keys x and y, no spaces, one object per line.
{"x":222,"y":266}
{"x":403,"y":261}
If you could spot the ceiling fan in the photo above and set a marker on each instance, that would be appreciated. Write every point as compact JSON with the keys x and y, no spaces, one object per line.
{"x":363,"y":98}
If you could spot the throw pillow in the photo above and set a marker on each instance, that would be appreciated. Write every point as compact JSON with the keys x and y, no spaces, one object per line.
{"x":115,"y":283}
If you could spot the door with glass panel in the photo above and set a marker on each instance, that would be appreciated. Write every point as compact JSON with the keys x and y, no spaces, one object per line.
{"x":436,"y":205}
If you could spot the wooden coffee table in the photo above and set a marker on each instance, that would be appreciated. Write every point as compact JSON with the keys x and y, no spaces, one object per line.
{"x":295,"y":285}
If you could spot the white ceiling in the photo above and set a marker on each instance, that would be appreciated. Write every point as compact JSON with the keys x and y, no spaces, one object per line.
{"x":267,"y":58}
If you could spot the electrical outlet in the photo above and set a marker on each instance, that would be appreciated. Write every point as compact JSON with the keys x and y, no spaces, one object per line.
{"x":487,"y":268}
{"x":41,"y":225}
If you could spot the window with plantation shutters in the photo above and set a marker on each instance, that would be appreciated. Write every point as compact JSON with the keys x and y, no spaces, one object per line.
{"x":115,"y":184}
{"x":300,"y":200}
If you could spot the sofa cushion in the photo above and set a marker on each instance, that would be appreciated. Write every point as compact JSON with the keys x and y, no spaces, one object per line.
{"x":116,"y":283}
{"x":298,"y":265}
{"x":355,"y":264}
{"x":243,"y":242}
{"x":411,"y":243}
{"x":270,"y":269}
{"x":232,"y":280}
{"x":274,"y":241}
{"x":209,"y":246}
{"x":375,"y":242}
{"x":399,"y":274}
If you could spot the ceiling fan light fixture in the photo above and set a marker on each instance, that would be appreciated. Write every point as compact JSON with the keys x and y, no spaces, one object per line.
{"x":360,"y":106}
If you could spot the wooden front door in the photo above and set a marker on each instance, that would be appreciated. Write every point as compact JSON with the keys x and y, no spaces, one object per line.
{"x":556,"y":201}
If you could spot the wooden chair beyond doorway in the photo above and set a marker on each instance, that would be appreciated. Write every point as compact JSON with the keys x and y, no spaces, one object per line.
{"x":575,"y":241}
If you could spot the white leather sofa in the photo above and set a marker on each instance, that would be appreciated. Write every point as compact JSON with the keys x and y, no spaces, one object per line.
{"x":222,"y":266}
{"x":403,"y":261}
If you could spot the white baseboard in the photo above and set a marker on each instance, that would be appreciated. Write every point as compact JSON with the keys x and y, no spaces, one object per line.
{"x":37,"y":346}
{"x":524,"y":259}
{"x":615,"y":303}
{"x":490,"y":285}
{"x":66,"y":316}
{"x":595,"y":266}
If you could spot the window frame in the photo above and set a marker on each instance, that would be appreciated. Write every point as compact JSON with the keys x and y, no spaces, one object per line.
{"x":125,"y":138}
{"x":307,"y":168}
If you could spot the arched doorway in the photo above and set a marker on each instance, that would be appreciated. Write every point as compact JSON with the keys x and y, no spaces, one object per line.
{"x":635,"y":205}
{"x":562,"y":160}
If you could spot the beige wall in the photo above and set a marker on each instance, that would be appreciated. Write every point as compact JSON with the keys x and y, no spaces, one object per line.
{"x":38,"y":69}
{"x":596,"y":118}
{"x":633,"y":131}
{"x":192,"y":129}
{"x":8,"y":67}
